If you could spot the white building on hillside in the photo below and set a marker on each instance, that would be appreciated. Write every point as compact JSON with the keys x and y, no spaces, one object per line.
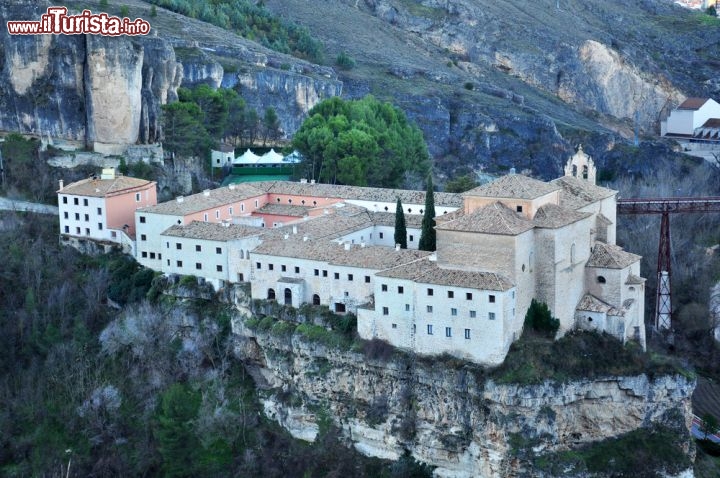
{"x":692,"y":114}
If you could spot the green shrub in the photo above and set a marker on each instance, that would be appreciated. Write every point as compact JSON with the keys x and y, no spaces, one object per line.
{"x":539,"y":319}
{"x":266,"y":323}
{"x":283,"y":328}
{"x":345,"y":61}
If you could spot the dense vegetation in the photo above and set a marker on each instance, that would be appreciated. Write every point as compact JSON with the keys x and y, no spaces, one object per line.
{"x":204,"y":115}
{"x":252,"y":21}
{"x":362,"y":143}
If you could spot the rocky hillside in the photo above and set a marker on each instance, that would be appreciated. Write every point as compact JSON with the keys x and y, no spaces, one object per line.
{"x":455,"y":417}
{"x":493,"y":84}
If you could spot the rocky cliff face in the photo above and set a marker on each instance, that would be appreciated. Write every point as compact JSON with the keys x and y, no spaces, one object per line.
{"x":105,"y":92}
{"x":451,"y":418}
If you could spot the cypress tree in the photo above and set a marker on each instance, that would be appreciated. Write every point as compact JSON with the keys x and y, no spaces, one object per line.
{"x":400,"y":228}
{"x":428,"y":235}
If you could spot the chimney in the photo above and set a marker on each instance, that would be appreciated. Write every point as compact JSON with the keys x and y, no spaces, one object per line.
{"x":305,"y":238}
{"x":397,"y":247}
{"x":231,"y":186}
{"x":433,"y":257}
{"x":312,"y":181}
{"x":294,"y":229}
{"x":108,"y":173}
{"x":180,"y":199}
{"x":362,"y":244}
{"x":512,"y":170}
{"x":303,"y":181}
{"x":286,"y":236}
{"x":206,"y":193}
{"x":347,"y":246}
{"x":61,"y":183}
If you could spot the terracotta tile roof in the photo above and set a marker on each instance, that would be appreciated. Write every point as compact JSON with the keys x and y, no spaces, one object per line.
{"x":388,"y":219}
{"x":213,"y":231}
{"x":451,"y":216}
{"x":692,"y":103}
{"x":328,"y":226}
{"x":425,"y":271}
{"x":369,"y":257}
{"x":609,"y":256}
{"x":494,"y":218}
{"x":712,"y":123}
{"x":602,"y":220}
{"x":515,"y":186}
{"x":552,"y":216}
{"x":103,"y":187}
{"x":577,"y":193}
{"x":284,"y":210}
{"x":590,"y":303}
{"x":206,"y":200}
{"x":358,"y":193}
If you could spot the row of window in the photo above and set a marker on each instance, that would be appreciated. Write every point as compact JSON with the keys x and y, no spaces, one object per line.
{"x":86,"y":217}
{"x":78,"y":230}
{"x":178,"y":245}
{"x":448,"y":331}
{"x":431,"y":292}
{"x":198,"y":265}
{"x":453,"y":312}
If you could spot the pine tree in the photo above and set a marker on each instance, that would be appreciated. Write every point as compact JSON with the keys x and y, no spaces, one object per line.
{"x":428,"y":235}
{"x":400,"y":228}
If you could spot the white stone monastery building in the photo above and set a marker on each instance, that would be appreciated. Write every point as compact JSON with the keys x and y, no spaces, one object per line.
{"x":499,"y":246}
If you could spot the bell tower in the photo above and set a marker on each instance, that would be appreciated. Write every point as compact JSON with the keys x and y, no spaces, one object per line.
{"x":581,"y":166}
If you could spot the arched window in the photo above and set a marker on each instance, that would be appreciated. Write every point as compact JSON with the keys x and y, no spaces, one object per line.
{"x":271,"y":294}
{"x":316,"y":299}
{"x":589,"y":319}
{"x":572,"y":254}
{"x":242,"y":254}
{"x":288,"y":296}
{"x":585,"y":172}
{"x":289,"y":201}
{"x":574,"y":171}
{"x":601,"y":279}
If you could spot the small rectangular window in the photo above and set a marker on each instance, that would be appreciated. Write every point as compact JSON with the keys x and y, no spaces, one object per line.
{"x":337,"y":275}
{"x":87,"y":217}
{"x":87,"y":231}
{"x":99,"y":210}
{"x":297,"y":270}
{"x":448,"y":331}
{"x":168,"y":262}
{"x":100,"y":225}
{"x":473,"y":314}
{"x":67,"y":229}
{"x":178,"y":246}
{"x":453,"y":312}
{"x":518,"y":208}
{"x":76,"y":201}
{"x":205,"y":217}
{"x":77,"y":229}
{"x":407,"y":307}
{"x":316,"y":272}
{"x":137,"y":197}
{"x":382,"y":235}
{"x":152,"y":255}
{"x":324,"y":273}
{"x":468,"y":295}
{"x":167,"y":245}
{"x":198,"y":266}
{"x":77,"y":216}
{"x":142,"y":219}
{"x":429,"y":329}
{"x":218,"y":250}
{"x":198,"y":248}
{"x":85,"y":202}
{"x":367,"y":279}
{"x":491,"y":315}
{"x":218,"y":268}
{"x":451,"y":294}
{"x":401,"y":289}
{"x":179,"y":263}
{"x":283,"y":267}
{"x":66,"y":215}
{"x":492,"y":299}
{"x":143,"y":237}
{"x":217,"y":214}
{"x":394,"y":326}
{"x":271,"y":267}
{"x":350,"y":277}
{"x":230,"y":210}
{"x":64,"y":199}
{"x":143,"y":254}
{"x":467,"y":334}
{"x":429,"y":308}
{"x":412,"y":238}
{"x":386,"y":311}
{"x":430,"y":292}
{"x":258,"y":265}
{"x":383,"y":287}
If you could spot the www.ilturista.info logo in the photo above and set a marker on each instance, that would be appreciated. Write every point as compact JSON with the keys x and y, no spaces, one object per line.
{"x":57,"y":21}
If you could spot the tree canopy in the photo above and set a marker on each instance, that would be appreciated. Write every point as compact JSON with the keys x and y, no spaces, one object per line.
{"x":428,"y":235}
{"x":362,"y":143}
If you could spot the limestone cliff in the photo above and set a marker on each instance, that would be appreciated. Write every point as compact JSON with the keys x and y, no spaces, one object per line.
{"x":452,"y":418}
{"x":106,"y":92}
